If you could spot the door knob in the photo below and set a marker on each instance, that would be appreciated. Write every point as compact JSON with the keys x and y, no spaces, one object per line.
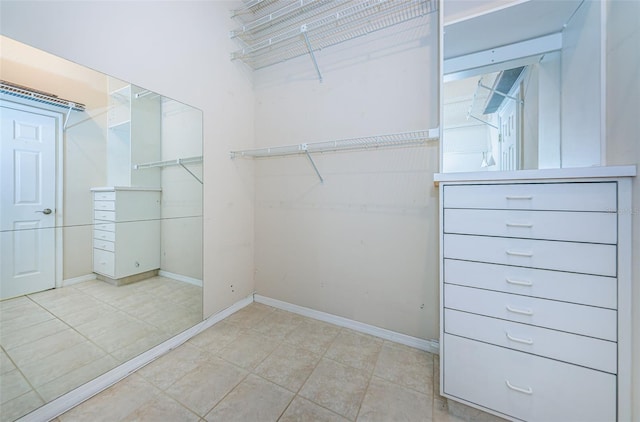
{"x":46,"y":211}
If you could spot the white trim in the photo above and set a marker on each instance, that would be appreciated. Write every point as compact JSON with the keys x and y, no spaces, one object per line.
{"x":529,"y":48}
{"x":561,"y":173}
{"x":59,"y":253}
{"x":603,"y":82}
{"x":625,"y":303}
{"x":76,"y":280}
{"x":84,"y":392}
{"x":484,"y":12}
{"x":180,"y":277}
{"x":431,"y":346}
{"x":441,"y":84}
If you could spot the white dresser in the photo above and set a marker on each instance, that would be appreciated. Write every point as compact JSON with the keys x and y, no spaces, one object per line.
{"x":126,"y":233}
{"x":535,"y":293}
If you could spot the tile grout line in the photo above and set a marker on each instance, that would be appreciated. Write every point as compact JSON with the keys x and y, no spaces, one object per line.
{"x":366,"y":390}
{"x":322,"y":356}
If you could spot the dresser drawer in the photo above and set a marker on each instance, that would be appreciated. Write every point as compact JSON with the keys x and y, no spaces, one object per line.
{"x":572,"y":348}
{"x":525,"y":386}
{"x":578,"y":319}
{"x":104,"y":262}
{"x":104,"y":196}
{"x":587,"y":258}
{"x":557,"y":285}
{"x":534,"y":196}
{"x":109,"y":227}
{"x":105,"y":245}
{"x":104,"y":215}
{"x":595,"y":227}
{"x":104,"y":205}
{"x":104,"y":235}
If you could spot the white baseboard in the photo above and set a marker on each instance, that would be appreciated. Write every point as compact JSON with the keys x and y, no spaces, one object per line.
{"x":431,"y":346}
{"x":180,"y":277}
{"x":76,"y":280}
{"x":68,"y":401}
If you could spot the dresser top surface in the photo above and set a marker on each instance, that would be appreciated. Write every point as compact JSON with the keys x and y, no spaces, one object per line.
{"x":541,"y":174}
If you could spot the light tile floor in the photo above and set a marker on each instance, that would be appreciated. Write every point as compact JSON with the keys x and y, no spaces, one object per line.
{"x":54,"y":341}
{"x":262,"y":364}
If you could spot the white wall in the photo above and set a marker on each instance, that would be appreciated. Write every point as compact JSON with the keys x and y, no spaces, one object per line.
{"x":581,"y":100}
{"x":181,"y":50}
{"x":623,"y":129}
{"x":363,"y":244}
{"x":549,"y":111}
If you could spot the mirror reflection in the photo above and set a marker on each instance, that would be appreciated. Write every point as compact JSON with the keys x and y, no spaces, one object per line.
{"x":521,"y":87}
{"x":100,"y":224}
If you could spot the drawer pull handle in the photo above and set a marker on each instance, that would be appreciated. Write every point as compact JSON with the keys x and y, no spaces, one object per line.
{"x":515,"y":253}
{"x":519,"y":340}
{"x":516,"y":197}
{"x":526,"y":225}
{"x":519,"y":283}
{"x":527,"y":390}
{"x":519,"y":311}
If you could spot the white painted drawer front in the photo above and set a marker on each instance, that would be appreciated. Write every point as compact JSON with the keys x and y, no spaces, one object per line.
{"x":104,"y":215}
{"x":104,"y":245}
{"x":109,"y":227}
{"x":572,"y":348}
{"x":531,"y":196}
{"x":595,"y":227}
{"x":525,"y":386}
{"x":104,"y":235}
{"x":557,"y":285}
{"x":579,"y":319}
{"x":587,"y":258}
{"x":104,"y":262}
{"x":104,"y":196}
{"x":104,"y":205}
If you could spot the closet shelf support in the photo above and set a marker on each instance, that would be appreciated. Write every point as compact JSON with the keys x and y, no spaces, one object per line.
{"x":313,"y":164}
{"x":482,"y":121}
{"x":190,"y":172}
{"x":303,"y":29}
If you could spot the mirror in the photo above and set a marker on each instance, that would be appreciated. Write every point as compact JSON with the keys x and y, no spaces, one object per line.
{"x":521,"y":85}
{"x":100,"y":224}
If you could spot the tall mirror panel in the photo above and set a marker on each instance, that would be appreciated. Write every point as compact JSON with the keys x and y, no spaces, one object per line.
{"x":100,"y":224}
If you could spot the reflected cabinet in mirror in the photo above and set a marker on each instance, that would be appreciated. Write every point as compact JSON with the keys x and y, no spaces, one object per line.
{"x":100,"y":224}
{"x":522,"y":85}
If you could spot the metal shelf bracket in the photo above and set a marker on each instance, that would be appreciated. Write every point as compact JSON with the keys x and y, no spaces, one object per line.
{"x":305,"y":148}
{"x":303,"y":29}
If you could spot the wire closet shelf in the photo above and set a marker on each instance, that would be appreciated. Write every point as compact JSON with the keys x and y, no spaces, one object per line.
{"x":273,"y":31}
{"x":182,"y":162}
{"x":38,"y":96}
{"x":404,"y":139}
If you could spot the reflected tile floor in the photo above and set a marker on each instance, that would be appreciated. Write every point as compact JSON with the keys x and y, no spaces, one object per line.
{"x":263,"y":364}
{"x":56,"y":340}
